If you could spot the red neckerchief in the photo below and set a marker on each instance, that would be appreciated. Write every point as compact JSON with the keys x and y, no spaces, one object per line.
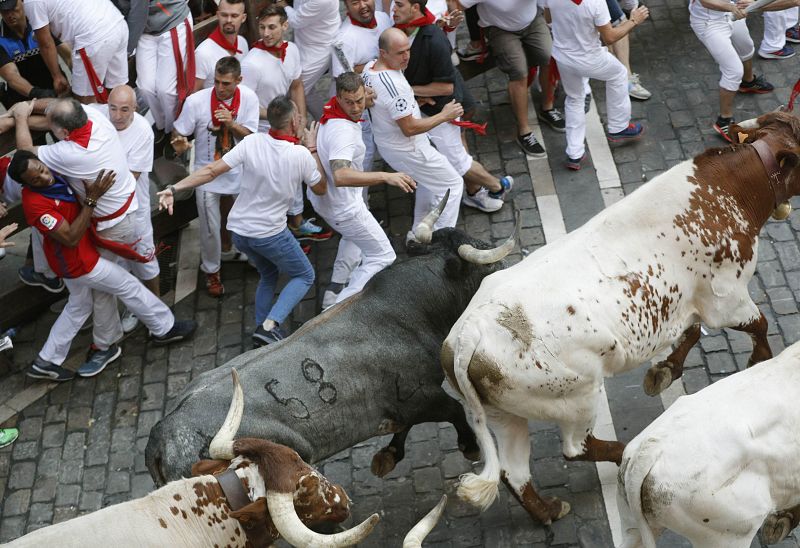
{"x":216,"y":104}
{"x":371,"y":25}
{"x":4,"y":161}
{"x":427,"y":19}
{"x":332,"y":111}
{"x":81,"y":135}
{"x":277,"y":51}
{"x":283,"y":136}
{"x":480,"y":129}
{"x":219,"y":38}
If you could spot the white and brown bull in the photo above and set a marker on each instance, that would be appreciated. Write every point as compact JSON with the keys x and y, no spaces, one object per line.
{"x":537,"y":339}
{"x":717,"y":463}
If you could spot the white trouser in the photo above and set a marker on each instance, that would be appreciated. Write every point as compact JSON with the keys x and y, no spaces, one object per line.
{"x":315,"y":61}
{"x":775,"y":25}
{"x":104,"y":279}
{"x":792,"y":15}
{"x":157,"y":75}
{"x":210,"y":223}
{"x":434,"y":176}
{"x":144,"y":232}
{"x":363,"y":240}
{"x":729,"y":43}
{"x":574,"y":75}
{"x":447,"y":140}
{"x":109,"y":59}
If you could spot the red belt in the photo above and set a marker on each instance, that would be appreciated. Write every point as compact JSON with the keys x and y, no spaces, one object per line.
{"x":118,"y":213}
{"x":126,"y":251}
{"x":186,"y":75}
{"x":99,"y":90}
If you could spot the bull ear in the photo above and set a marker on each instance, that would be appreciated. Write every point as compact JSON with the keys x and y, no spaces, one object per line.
{"x":206,"y":467}
{"x":742,"y":135}
{"x":253,"y":512}
{"x":788,"y":159}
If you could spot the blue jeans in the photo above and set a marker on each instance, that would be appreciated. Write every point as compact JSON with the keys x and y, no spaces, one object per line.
{"x":271,"y":256}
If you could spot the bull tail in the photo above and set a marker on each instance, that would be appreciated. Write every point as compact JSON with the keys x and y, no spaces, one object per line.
{"x":634,"y":470}
{"x":478,"y":490}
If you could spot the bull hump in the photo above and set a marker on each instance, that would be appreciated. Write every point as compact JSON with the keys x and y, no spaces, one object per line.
{"x":516,"y":322}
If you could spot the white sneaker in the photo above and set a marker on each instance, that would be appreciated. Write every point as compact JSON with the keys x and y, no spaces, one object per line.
{"x":455,"y":59}
{"x":636,"y":89}
{"x":233,"y":256}
{"x":129,"y":321}
{"x":2,"y":252}
{"x":482,"y":201}
{"x":329,"y":299}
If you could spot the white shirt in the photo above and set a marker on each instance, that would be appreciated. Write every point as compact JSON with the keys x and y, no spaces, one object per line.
{"x":81,"y":23}
{"x":103,"y":152}
{"x":338,"y":139}
{"x":394,"y":100}
{"x":269,"y":77}
{"x":359,"y":44}
{"x":208,"y":53}
{"x":508,"y":15}
{"x":698,"y":12}
{"x":315,"y":22}
{"x":272,"y":172}
{"x":137,"y":140}
{"x":574,"y":26}
{"x":196,"y":118}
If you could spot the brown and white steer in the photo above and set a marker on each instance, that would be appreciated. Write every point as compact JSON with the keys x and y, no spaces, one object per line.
{"x":537,"y":339}
{"x":717,"y":463}
{"x":195,"y":511}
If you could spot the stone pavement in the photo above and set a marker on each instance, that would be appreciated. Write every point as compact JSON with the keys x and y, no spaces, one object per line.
{"x":82,"y":444}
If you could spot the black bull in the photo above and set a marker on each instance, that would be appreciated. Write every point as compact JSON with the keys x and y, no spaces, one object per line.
{"x":367,"y":367}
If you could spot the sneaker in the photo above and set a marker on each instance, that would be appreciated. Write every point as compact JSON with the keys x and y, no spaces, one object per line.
{"x":129,"y":321}
{"x":29,"y":276}
{"x":97,"y":360}
{"x":468,"y":53}
{"x":756,"y":85}
{"x":482,"y":201}
{"x":214,"y":285}
{"x":8,"y":436}
{"x":587,"y":103}
{"x":309,"y":231}
{"x":329,"y":299}
{"x":262,"y":337}
{"x":41,"y":369}
{"x":785,"y":52}
{"x":553,"y":118}
{"x":574,"y":164}
{"x":506,"y":184}
{"x":793,"y":35}
{"x":2,"y":252}
{"x":233,"y":256}
{"x":531,"y":145}
{"x":181,"y":330}
{"x":454,"y":59}
{"x":721,"y":126}
{"x":636,"y":89}
{"x":633,"y":131}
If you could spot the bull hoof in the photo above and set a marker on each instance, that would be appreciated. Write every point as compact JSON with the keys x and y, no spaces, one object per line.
{"x":776,"y":528}
{"x":556,"y":508}
{"x":657,"y":379}
{"x":383,"y":462}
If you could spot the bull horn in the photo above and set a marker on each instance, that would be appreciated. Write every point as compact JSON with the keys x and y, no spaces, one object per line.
{"x":424,"y":230}
{"x":415,"y":537}
{"x":294,"y":531}
{"x":471,"y":254}
{"x":222,"y":445}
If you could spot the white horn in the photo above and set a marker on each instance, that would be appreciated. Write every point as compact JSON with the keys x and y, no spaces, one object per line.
{"x":222,"y":445}
{"x":294,"y":531}
{"x":749,"y":124}
{"x":424,"y":230}
{"x":415,"y":537}
{"x":471,"y":254}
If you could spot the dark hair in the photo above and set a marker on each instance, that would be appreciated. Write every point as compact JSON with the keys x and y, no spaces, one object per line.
{"x":232,"y":2}
{"x":279,"y":112}
{"x":229,"y":65}
{"x":19,"y":164}
{"x":349,"y":82}
{"x":272,"y":11}
{"x":68,"y":114}
{"x":421,"y":3}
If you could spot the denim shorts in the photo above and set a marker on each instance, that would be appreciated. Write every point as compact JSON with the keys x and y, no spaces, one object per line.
{"x":615,"y":11}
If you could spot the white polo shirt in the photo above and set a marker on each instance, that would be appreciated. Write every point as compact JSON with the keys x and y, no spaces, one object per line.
{"x":270,"y":77}
{"x":359,"y":44}
{"x":509,"y":15}
{"x":272,"y":172}
{"x":81,"y":23}
{"x":103,"y":152}
{"x":574,"y":26}
{"x":196,"y":118}
{"x":208,"y":53}
{"x":394,"y":100}
{"x":339,"y":139}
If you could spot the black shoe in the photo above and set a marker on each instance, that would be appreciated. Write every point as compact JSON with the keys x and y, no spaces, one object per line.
{"x":41,"y":369}
{"x":262,"y":337}
{"x":553,"y":118}
{"x":180,"y":331}
{"x":531,"y":146}
{"x":587,"y":103}
{"x":757,"y":85}
{"x":722,"y":126}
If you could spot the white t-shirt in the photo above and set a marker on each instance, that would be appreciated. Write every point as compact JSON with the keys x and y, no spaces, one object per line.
{"x":359,"y":44}
{"x":103,"y":152}
{"x":269,"y":77}
{"x":81,"y":23}
{"x":394,"y":100}
{"x":338,"y":139}
{"x":137,"y":140}
{"x":574,"y":26}
{"x":509,"y":15}
{"x":315,"y":22}
{"x":196,"y":118}
{"x":698,"y":12}
{"x":272,"y":172}
{"x":208,"y":53}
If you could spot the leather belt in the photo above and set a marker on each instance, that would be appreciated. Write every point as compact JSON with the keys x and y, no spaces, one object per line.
{"x":255,"y":530}
{"x":775,"y":176}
